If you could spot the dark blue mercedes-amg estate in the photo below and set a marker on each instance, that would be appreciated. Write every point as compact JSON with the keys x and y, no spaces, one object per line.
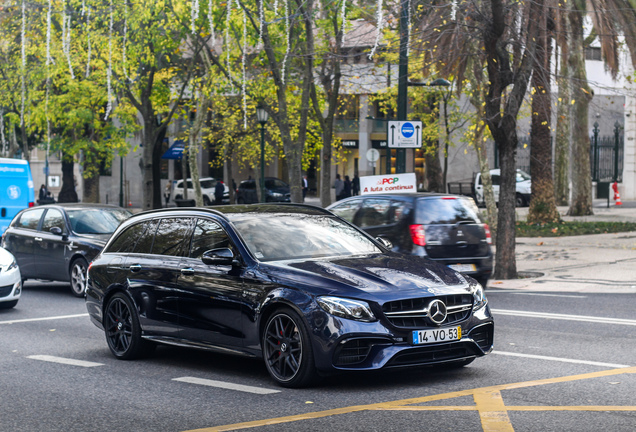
{"x":293,"y":284}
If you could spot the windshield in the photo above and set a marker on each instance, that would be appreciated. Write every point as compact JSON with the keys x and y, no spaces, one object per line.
{"x":96,"y":221}
{"x":292,"y":236}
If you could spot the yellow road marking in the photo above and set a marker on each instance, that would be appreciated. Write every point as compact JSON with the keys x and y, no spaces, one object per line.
{"x":492,"y":411}
{"x":488,"y":401}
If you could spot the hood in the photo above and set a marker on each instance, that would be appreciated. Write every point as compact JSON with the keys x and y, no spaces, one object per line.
{"x":376,"y":278}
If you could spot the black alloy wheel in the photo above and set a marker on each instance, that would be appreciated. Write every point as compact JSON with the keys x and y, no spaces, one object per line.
{"x":79,"y":266}
{"x":287,"y":350}
{"x":122,"y":329}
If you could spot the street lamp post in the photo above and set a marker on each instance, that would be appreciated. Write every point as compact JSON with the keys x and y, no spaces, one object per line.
{"x":262,"y":116}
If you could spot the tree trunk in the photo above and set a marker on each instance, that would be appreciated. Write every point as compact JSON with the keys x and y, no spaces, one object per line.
{"x":486,"y":181}
{"x":199,"y":120}
{"x":563,"y":137}
{"x":542,"y":206}
{"x":581,"y":204}
{"x":506,"y":91}
{"x":67,"y":194}
{"x":91,"y":189}
{"x":434,"y":177}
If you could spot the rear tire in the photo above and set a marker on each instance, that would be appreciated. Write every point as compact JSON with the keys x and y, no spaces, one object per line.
{"x":79,"y":266}
{"x":122,"y":329}
{"x":520,"y":201}
{"x":287,"y":350}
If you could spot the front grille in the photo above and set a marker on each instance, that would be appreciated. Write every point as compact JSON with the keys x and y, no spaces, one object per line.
{"x":413,"y":313}
{"x":433,"y":354}
{"x":483,"y":336}
{"x":354,"y":351}
{"x":6,"y":290}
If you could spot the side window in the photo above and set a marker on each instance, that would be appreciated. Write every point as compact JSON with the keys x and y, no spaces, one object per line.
{"x":347,"y":210}
{"x":145,"y":241}
{"x":172,"y":237}
{"x":207,"y":235}
{"x":374,"y":212}
{"x":495,"y":180}
{"x":398,"y":209}
{"x":126,"y":240}
{"x":53,"y":218}
{"x":30,"y":219}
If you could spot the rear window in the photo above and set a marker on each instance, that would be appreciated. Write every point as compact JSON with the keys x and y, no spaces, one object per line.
{"x":446,"y":210}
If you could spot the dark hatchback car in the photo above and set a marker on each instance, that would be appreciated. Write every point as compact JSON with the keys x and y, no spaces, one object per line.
{"x":276,"y":190}
{"x":444,"y":228}
{"x":291,"y":284}
{"x":56,"y":242}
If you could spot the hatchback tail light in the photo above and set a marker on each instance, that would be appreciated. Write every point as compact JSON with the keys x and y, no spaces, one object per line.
{"x":488,"y":236}
{"x":417,"y":234}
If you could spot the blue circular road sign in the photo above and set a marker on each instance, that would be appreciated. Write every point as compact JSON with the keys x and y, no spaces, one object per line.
{"x":408,"y":130}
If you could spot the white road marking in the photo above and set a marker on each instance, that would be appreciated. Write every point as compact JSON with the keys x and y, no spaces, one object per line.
{"x":547,"y":295}
{"x":44,"y":319}
{"x":583,"y":318}
{"x":66,"y":361}
{"x":226,"y":385}
{"x":559,"y":359}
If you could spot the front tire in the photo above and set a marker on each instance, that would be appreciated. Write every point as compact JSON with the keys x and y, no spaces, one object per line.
{"x":520,"y":200}
{"x":78,"y":277}
{"x":122,"y":329}
{"x":287,"y":350}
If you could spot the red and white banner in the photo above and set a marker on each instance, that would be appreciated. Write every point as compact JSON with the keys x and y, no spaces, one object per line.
{"x":388,"y":183}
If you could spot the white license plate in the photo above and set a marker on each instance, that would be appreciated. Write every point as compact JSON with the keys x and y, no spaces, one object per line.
{"x":463,"y":267}
{"x":421,"y":337}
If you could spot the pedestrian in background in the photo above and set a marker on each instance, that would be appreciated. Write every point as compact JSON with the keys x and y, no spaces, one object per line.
{"x":355,"y":185}
{"x":339,"y":186}
{"x":346,"y":192}
{"x":166,"y":193}
{"x":305,"y":187}
{"x":42,"y":193}
{"x":219,"y":190}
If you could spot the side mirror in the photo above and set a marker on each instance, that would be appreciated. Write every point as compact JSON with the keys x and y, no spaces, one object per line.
{"x":385,"y":242}
{"x":56,"y":231}
{"x":221,"y":256}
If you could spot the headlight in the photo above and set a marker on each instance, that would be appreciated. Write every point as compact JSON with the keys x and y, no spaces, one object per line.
{"x":346,"y":308}
{"x":277,"y":195}
{"x":478,"y":294}
{"x":12,"y":266}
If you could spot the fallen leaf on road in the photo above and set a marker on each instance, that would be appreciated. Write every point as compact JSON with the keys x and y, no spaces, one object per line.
{"x":540,"y":244}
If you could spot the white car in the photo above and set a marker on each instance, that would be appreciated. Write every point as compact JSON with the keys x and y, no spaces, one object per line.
{"x":523,"y":187}
{"x":207,"y":189}
{"x":10,"y":280}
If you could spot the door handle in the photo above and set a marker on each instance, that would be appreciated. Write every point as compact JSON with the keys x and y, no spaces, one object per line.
{"x":135,"y":268}
{"x":187,"y":272}
{"x":38,"y":239}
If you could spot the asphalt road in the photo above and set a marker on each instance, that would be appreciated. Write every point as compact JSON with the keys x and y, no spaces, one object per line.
{"x":562,"y":362}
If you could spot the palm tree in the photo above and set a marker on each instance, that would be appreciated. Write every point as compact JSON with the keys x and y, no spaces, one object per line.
{"x":612,"y":19}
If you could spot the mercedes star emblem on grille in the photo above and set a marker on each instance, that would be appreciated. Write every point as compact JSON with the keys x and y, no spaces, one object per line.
{"x":437,"y":311}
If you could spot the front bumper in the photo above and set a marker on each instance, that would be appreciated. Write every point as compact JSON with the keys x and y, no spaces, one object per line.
{"x":345,"y":345}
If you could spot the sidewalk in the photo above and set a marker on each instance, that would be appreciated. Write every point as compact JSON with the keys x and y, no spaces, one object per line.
{"x":603,"y":263}
{"x":622,"y":213}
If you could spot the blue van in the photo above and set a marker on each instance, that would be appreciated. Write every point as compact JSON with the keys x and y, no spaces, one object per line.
{"x":16,"y":189}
